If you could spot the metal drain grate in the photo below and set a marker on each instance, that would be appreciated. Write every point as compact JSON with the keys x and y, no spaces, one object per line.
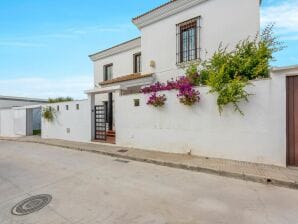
{"x":121,"y":161}
{"x":32,"y":204}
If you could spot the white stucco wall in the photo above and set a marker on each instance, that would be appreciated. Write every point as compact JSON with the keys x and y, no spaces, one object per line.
{"x":78,"y":122}
{"x":259,"y":136}
{"x":225,"y":22}
{"x":122,"y":64}
{"x":7,"y":123}
{"x":19,"y":122}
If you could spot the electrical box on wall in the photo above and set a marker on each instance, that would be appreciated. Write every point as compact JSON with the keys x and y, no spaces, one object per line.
{"x":152,"y":64}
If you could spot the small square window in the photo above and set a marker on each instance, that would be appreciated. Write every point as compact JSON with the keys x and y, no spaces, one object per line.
{"x":136,"y":102}
{"x":78,"y":106}
{"x":66,"y":107}
{"x":58,"y":108}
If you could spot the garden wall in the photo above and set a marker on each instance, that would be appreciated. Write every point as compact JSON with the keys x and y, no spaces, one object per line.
{"x":7,"y":123}
{"x":258,"y":136}
{"x":72,"y":124}
{"x":19,"y":121}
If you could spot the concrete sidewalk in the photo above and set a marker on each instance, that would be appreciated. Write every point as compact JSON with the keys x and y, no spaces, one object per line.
{"x":279,"y":176}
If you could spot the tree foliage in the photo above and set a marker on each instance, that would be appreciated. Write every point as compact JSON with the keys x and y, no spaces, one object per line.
{"x":227,"y":73}
{"x":49,"y":114}
{"x":60,"y":99}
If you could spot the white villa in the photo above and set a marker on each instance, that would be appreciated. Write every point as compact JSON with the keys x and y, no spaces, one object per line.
{"x":172,"y":36}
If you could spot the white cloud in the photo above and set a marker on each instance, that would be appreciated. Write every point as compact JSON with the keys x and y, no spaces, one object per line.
{"x":46,"y":87}
{"x":285,"y":17}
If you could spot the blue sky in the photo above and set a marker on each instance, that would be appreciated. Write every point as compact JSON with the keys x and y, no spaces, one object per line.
{"x":44,"y":45}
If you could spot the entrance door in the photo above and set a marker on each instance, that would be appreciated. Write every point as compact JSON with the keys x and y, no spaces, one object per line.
{"x":100,"y":123}
{"x":292,"y":120}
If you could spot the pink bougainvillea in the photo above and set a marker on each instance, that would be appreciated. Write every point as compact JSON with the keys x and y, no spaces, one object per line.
{"x":188,"y":96}
{"x":186,"y":92}
{"x":156,"y":100}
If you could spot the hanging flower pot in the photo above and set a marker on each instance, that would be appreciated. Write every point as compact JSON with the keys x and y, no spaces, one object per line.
{"x":157,"y":100}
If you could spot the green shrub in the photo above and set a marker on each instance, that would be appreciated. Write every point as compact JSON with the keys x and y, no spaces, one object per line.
{"x":36,"y":132}
{"x":228,"y":73}
{"x":192,"y":74}
{"x":49,"y":114}
{"x":60,"y":99}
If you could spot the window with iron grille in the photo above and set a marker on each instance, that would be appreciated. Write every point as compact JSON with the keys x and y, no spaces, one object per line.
{"x":137,"y":63}
{"x":188,"y":48}
{"x":107,"y":72}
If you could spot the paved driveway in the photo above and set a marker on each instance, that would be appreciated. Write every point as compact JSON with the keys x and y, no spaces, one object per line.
{"x":90,"y":188}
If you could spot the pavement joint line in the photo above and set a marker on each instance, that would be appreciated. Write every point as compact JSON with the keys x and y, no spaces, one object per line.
{"x":246,"y":177}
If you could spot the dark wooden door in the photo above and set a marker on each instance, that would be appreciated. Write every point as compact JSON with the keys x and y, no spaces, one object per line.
{"x":292,"y":121}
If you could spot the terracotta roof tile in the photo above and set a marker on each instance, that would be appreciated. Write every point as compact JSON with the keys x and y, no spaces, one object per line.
{"x":126,"y":78}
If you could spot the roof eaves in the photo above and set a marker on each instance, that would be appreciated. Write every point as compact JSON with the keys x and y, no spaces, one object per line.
{"x":111,"y":48}
{"x":167,"y":4}
{"x":154,"y":9}
{"x":14,"y":98}
{"x":126,"y":78}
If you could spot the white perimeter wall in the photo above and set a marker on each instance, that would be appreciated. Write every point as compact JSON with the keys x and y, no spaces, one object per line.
{"x":13,"y":122}
{"x":77,"y":121}
{"x":7,"y":123}
{"x":19,"y":122}
{"x":259,"y":136}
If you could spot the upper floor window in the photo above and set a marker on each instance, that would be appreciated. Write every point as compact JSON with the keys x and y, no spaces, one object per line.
{"x":187,"y":41}
{"x":137,"y":63}
{"x":108,"y":72}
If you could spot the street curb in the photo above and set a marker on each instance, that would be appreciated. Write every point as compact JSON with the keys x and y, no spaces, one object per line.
{"x":241,"y":176}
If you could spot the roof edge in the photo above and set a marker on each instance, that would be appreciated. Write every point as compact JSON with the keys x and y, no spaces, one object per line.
{"x":284,"y":68}
{"x":26,"y":99}
{"x":152,"y":10}
{"x":133,"y":43}
{"x":165,"y":10}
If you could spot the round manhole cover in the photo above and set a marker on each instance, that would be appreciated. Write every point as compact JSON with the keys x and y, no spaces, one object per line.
{"x":31,"y":204}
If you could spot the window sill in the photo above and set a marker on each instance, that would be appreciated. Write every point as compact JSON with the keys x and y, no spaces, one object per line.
{"x":187,"y":63}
